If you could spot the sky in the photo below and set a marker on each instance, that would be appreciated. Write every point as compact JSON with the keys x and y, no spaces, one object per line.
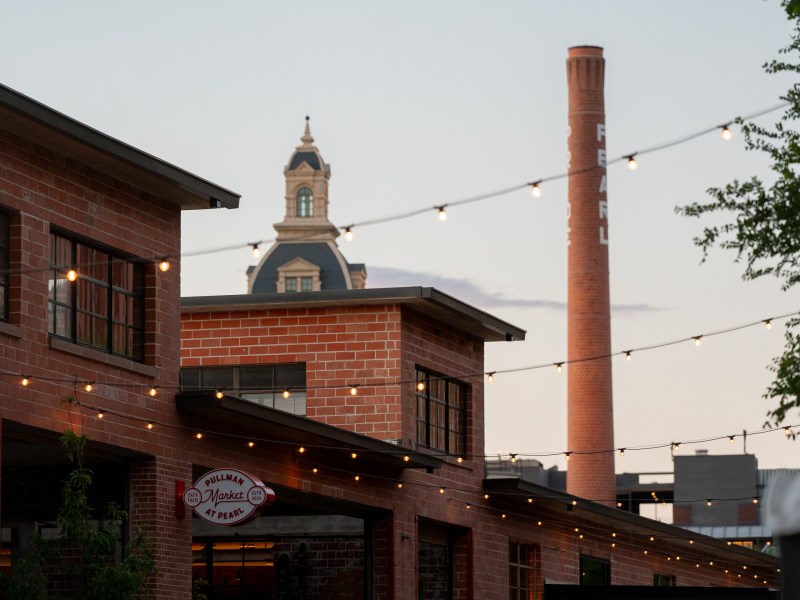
{"x":416,"y":104}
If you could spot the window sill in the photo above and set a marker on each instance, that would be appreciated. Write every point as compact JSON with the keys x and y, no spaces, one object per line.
{"x":101,"y":357}
{"x":10,"y":330}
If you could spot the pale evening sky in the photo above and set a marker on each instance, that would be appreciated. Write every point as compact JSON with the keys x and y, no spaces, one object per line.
{"x":416,"y":104}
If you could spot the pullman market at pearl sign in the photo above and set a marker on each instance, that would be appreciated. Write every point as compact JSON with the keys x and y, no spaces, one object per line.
{"x":228,"y":497}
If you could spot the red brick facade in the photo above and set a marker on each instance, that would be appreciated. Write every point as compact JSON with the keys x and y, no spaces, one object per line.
{"x":54,"y":177}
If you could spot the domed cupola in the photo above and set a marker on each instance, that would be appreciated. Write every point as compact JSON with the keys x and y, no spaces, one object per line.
{"x":305,"y":256}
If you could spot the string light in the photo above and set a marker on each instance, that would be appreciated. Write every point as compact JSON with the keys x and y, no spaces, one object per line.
{"x":767,"y":324}
{"x":302,"y":450}
{"x":354,"y":455}
{"x":567,"y":455}
{"x":622,"y":451}
{"x":199,"y":436}
{"x":354,"y":389}
{"x":220,"y":394}
{"x":286,"y":393}
{"x":709,"y":502}
{"x":88,"y":387}
{"x":490,"y":376}
{"x":100,"y":415}
{"x":513,"y":457}
{"x":628,"y":355}
{"x":251,"y":444}
{"x":441,"y":490}
{"x":153,"y":391}
{"x":787,"y":430}
{"x":726,"y":132}
{"x":632,"y":164}
{"x":256,"y":250}
{"x":25,"y":381}
{"x":163,"y":265}
{"x":421,"y":386}
{"x":559,"y":366}
{"x":697,"y":339}
{"x":72,"y":275}
{"x":536,"y":191}
{"x":442,"y":214}
{"x":731,"y":439}
{"x":150,"y":426}
{"x":348,"y":234}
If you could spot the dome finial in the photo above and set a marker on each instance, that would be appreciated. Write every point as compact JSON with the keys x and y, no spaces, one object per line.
{"x":307,"y":139}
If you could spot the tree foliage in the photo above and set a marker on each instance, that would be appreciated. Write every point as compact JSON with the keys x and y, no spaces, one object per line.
{"x":85,"y":553}
{"x":763,"y":219}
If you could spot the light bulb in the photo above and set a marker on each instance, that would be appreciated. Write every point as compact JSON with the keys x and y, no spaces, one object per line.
{"x":357,"y":477}
{"x":153,"y":391}
{"x":622,"y":451}
{"x":513,"y":457}
{"x":348,"y":234}
{"x":406,"y":458}
{"x":164,"y":265}
{"x":709,"y":502}
{"x":787,"y":430}
{"x":567,"y":455}
{"x":250,"y":444}
{"x":199,"y":436}
{"x":301,"y":449}
{"x":768,"y":324}
{"x":354,"y":455}
{"x":88,"y":387}
{"x":256,"y":251}
{"x":25,"y":381}
{"x":150,"y":425}
{"x":726,"y":133}
{"x":490,"y":377}
{"x":628,"y":356}
{"x":536,"y":191}
{"x":698,"y":340}
{"x":421,"y":386}
{"x":354,"y":390}
{"x":442,"y":214}
{"x":72,"y":275}
{"x":100,"y":415}
{"x":441,"y":490}
{"x":286,"y":393}
{"x":559,"y":367}
{"x":220,"y":394}
{"x":632,"y":164}
{"x":731,"y":439}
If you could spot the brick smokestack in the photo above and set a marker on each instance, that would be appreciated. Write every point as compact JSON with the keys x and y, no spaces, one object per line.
{"x":590,"y":421}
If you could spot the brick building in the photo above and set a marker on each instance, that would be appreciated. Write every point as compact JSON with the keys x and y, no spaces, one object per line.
{"x":362,"y":409}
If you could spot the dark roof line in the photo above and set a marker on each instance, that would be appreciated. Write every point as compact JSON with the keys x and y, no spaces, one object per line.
{"x":217,"y":196}
{"x":426,"y":300}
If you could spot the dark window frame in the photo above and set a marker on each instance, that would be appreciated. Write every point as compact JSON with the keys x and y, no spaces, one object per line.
{"x":275,"y":379}
{"x":5,"y":263}
{"x":594,"y":570}
{"x":104,"y":308}
{"x":522,"y":569}
{"x":441,"y":412}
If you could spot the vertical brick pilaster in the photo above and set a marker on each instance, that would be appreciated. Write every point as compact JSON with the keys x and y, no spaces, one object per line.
{"x":152,"y":505}
{"x":590,"y":413}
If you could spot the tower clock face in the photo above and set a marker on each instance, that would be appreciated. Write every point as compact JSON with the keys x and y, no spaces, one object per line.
{"x":305,"y":202}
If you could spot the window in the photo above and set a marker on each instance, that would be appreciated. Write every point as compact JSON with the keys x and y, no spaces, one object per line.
{"x":521,"y":571}
{"x":305,"y":202}
{"x":307,"y":284}
{"x":5,"y":264}
{"x":663,"y":580}
{"x":595,"y":571}
{"x":291,"y":284}
{"x":441,"y":413}
{"x":281,"y":386}
{"x":104,"y":307}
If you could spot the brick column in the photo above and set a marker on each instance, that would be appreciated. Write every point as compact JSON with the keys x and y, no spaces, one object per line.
{"x":590,"y":415}
{"x":152,"y":504}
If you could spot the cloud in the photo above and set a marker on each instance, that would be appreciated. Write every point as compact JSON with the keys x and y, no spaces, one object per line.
{"x":472,"y":293}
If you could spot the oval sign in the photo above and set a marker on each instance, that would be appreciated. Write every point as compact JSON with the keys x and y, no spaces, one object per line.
{"x":228,"y":497}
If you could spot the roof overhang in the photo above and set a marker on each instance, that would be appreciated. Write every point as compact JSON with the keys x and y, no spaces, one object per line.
{"x":425,"y":300}
{"x":51,"y":129}
{"x":282,"y":429}
{"x":510,"y":490}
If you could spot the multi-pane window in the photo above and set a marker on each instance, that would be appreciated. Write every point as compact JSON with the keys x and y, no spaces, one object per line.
{"x":305,"y":202}
{"x":306,"y":284}
{"x":5,"y":264}
{"x":441,"y":413}
{"x":521,"y":571}
{"x":281,"y":386}
{"x":104,"y":306}
{"x":291,"y":284}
